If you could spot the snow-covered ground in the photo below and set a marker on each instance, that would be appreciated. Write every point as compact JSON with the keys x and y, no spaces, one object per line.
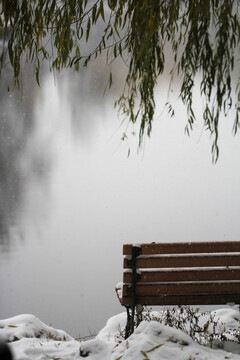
{"x":30,"y":339}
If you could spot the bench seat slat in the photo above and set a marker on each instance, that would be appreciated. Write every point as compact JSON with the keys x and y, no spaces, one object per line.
{"x":184,"y":275}
{"x":186,"y":261}
{"x":200,"y":299}
{"x":184,"y":248}
{"x":185,"y":288}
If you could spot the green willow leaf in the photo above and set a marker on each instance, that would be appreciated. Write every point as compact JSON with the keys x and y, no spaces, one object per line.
{"x":201,"y":37}
{"x":101,"y":9}
{"x":88,"y":29}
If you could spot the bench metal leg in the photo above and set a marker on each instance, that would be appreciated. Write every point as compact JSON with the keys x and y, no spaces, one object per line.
{"x":138,"y":309}
{"x":128,"y":325}
{"x":129,"y":329}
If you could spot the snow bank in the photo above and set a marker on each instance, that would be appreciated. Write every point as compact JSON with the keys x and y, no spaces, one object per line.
{"x":44,"y":349}
{"x":30,"y":339}
{"x":155,"y":341}
{"x":226,"y":319}
{"x":29,"y":326}
{"x":114,"y":327}
{"x":94,"y":350}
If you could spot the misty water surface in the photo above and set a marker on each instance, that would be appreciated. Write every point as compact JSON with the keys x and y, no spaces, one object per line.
{"x":70,"y":195}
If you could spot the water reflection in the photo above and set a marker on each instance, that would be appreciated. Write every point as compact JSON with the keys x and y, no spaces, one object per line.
{"x":59,"y":222}
{"x":17,"y":163}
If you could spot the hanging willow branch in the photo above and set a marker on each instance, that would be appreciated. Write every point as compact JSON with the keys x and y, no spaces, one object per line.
{"x":203,"y":36}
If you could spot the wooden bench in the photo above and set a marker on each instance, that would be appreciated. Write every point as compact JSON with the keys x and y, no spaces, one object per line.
{"x":196,"y":273}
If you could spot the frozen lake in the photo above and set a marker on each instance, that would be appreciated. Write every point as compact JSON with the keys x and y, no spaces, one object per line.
{"x":70,"y":195}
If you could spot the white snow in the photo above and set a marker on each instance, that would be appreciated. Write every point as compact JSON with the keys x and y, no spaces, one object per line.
{"x":29,"y":326}
{"x":30,"y":339}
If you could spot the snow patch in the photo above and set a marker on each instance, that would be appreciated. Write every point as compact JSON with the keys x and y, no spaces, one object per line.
{"x":155,"y":341}
{"x":30,"y":339}
{"x":29,"y":326}
{"x":114,"y":327}
{"x":94,"y":350}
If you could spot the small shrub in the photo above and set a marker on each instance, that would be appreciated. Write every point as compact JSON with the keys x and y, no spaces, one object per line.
{"x":201,"y":327}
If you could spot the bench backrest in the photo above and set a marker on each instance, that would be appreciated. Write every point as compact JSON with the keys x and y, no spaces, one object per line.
{"x":194,"y":273}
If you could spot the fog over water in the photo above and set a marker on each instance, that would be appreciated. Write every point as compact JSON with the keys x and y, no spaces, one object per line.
{"x":71,"y":197}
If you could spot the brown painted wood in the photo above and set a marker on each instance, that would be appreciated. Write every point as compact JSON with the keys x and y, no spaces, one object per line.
{"x":149,"y":276}
{"x":184,"y":248}
{"x":185,"y":276}
{"x":185,"y":288}
{"x":186,"y":261}
{"x":200,"y":299}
